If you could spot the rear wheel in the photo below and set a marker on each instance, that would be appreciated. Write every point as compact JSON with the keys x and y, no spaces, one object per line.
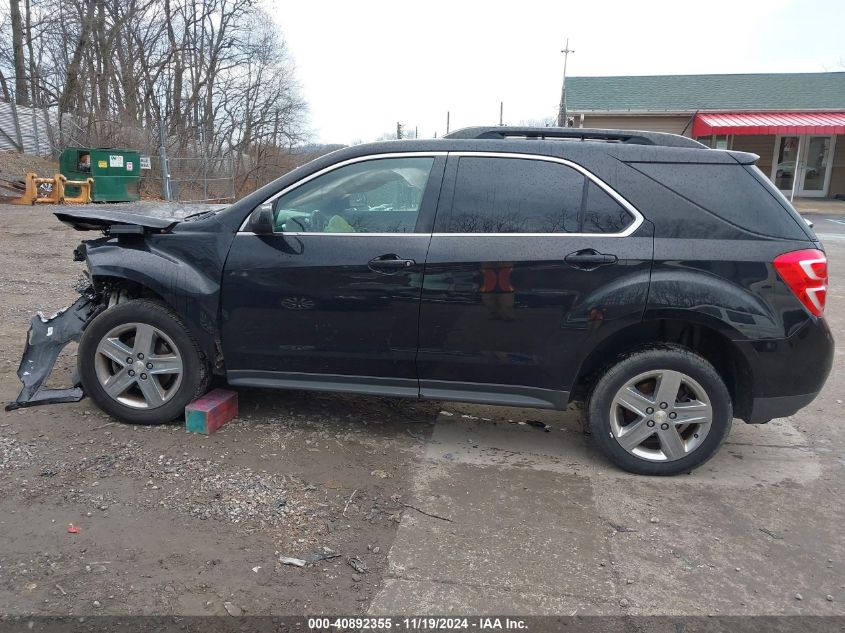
{"x":660,"y":411}
{"x":139,"y":363}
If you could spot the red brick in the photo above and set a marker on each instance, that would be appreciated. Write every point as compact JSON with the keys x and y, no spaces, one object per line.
{"x":213,"y":410}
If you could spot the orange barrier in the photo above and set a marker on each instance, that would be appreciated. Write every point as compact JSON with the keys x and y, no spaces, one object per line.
{"x":56,"y":191}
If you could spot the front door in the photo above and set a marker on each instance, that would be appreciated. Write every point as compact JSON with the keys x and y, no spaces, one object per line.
{"x":801,"y":165}
{"x":531,"y":263}
{"x":330,"y":300}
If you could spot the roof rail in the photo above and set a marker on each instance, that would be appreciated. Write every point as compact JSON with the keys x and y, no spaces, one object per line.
{"x":576,"y":133}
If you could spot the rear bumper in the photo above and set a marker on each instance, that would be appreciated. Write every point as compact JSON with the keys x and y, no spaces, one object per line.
{"x":765,"y":409}
{"x":788,"y":374}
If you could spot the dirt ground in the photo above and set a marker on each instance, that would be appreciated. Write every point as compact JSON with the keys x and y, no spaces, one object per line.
{"x":412,"y":507}
{"x":177,"y":523}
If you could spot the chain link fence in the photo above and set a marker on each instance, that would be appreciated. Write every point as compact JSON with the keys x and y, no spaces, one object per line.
{"x":191,"y":179}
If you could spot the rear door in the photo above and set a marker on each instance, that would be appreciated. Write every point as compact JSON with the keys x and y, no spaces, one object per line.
{"x":533,"y":261}
{"x":331,"y":299}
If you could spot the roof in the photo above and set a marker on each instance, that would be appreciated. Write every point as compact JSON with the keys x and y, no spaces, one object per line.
{"x":689,"y":93}
{"x":825,"y":123}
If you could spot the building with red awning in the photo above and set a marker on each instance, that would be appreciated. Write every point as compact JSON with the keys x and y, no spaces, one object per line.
{"x":795,"y":122}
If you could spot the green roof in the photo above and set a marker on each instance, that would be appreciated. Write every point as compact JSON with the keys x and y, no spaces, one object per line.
{"x":688,"y":93}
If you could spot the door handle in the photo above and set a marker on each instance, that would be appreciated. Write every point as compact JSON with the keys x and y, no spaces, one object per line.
{"x":390,"y":263}
{"x":589,"y":259}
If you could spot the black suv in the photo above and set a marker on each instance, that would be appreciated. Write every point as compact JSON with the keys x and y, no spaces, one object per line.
{"x":668,"y":286}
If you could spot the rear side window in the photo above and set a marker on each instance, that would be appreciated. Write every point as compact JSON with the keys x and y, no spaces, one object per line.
{"x":729,"y":192}
{"x":514,"y":195}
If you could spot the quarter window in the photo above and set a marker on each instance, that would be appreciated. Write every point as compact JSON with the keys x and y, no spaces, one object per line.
{"x":515,"y":195}
{"x":375,"y":196}
{"x":602,"y":214}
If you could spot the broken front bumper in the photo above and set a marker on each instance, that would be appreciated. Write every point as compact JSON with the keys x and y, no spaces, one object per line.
{"x":46,"y":339}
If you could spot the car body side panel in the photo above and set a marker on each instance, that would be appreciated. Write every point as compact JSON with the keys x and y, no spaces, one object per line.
{"x":732,"y":287}
{"x":184,"y":268}
{"x":310,"y":304}
{"x":530,"y":332}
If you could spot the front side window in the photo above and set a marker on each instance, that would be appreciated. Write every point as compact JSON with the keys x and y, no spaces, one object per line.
{"x":375,"y":196}
{"x":516,"y":195}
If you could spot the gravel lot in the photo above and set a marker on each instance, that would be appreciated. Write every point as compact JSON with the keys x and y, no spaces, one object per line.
{"x":176,"y":523}
{"x":528,"y":518}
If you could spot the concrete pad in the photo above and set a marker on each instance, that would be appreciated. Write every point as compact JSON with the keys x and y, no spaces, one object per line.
{"x":541,"y":524}
{"x":752,"y":454}
{"x":531,"y":533}
{"x":399,"y":596}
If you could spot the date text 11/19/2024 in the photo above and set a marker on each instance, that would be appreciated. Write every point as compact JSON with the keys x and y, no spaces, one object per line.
{"x":416,"y":624}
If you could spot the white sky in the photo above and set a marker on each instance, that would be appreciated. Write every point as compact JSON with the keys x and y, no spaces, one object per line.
{"x":365,"y":64}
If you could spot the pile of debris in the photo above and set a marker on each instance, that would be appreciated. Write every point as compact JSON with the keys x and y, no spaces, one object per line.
{"x":11,"y":186}
{"x":14,"y":167}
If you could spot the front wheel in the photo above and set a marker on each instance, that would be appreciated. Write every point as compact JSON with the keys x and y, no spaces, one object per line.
{"x":140,"y":364}
{"x":660,"y":411}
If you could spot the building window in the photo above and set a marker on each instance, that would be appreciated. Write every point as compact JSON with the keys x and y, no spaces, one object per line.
{"x":716,"y":141}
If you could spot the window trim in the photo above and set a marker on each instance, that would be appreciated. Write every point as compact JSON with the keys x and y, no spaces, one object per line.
{"x":631,"y":209}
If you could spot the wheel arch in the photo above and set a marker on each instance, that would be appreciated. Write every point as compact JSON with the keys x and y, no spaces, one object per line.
{"x":727,"y":358}
{"x":119,"y":286}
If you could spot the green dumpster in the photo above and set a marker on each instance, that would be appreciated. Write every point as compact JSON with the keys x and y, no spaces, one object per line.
{"x":116,"y":172}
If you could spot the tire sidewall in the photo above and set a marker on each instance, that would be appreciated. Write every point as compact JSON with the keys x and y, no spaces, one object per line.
{"x":650,"y":360}
{"x":157,"y":315}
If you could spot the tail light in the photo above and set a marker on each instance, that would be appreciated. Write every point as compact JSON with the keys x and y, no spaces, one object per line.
{"x":805,"y":272}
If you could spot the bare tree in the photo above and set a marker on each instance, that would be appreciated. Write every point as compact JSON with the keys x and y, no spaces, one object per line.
{"x":216,"y":74}
{"x":21,"y":92}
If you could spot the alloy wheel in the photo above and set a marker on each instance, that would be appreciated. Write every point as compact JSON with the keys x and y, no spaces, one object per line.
{"x":661,"y":415}
{"x":138,"y":365}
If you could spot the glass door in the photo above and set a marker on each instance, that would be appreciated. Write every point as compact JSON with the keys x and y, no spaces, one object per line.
{"x":805,"y":158}
{"x":815,"y":164}
{"x":786,"y":158}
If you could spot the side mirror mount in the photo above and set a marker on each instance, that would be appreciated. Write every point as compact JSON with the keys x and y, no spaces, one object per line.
{"x":261,"y":220}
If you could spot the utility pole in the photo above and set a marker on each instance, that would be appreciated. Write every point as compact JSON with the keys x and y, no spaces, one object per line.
{"x":165,"y":175}
{"x":501,"y":113}
{"x":561,"y":117}
{"x":447,"y":121}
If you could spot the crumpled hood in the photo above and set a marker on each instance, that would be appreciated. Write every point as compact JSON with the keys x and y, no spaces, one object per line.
{"x":87,"y":219}
{"x":150,"y":216}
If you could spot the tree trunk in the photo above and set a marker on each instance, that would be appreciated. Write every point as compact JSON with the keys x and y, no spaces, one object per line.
{"x":33,"y":68}
{"x":176,"y":99}
{"x":21,"y":88}
{"x":104,"y":61}
{"x":72,"y":82}
{"x":4,"y":87}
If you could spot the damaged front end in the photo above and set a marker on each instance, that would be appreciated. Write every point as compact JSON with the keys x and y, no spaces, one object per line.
{"x":47,"y":337}
{"x":176,"y":262}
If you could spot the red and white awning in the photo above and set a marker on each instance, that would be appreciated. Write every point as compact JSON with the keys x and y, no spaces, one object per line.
{"x":743,"y":123}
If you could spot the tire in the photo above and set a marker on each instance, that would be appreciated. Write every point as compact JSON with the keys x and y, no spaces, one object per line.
{"x":637,"y":434}
{"x":156,"y":341}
